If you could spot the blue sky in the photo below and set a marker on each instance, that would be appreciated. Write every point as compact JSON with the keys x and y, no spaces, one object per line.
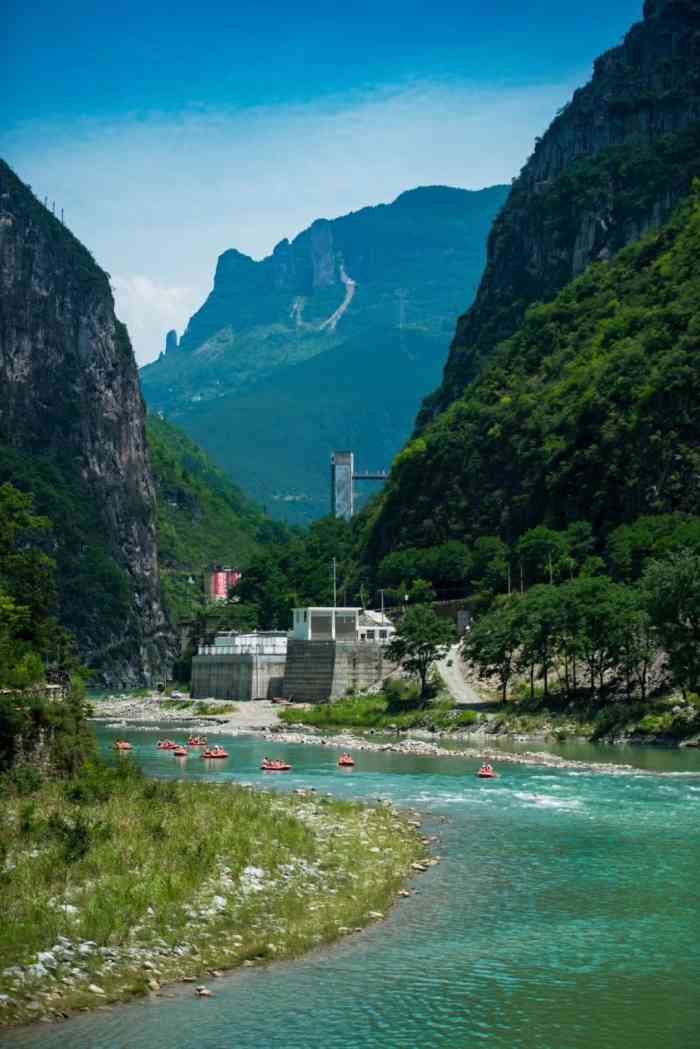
{"x":171,"y":131}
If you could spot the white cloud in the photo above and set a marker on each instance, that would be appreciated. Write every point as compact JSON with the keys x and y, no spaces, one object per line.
{"x":150,"y":308}
{"x":158,"y":197}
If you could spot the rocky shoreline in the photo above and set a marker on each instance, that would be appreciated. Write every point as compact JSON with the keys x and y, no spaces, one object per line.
{"x":252,"y":916}
{"x":423,"y":748}
{"x":260,"y":719}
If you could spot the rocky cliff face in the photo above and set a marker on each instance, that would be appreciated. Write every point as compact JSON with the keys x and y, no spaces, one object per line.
{"x":613,"y":164}
{"x":72,"y":426}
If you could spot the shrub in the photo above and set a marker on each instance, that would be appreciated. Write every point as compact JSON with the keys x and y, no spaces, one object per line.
{"x":22,"y":780}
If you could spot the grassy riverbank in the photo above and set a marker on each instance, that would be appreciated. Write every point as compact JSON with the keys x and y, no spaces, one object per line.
{"x":398,"y":706}
{"x":669,"y":719}
{"x":119,"y":885}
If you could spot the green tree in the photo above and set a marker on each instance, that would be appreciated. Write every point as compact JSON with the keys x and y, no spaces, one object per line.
{"x":631,"y":547}
{"x":639,"y":643}
{"x":541,"y":612}
{"x":542,"y":552}
{"x":421,"y":638}
{"x":671,"y":595}
{"x":493,"y":641}
{"x":487,"y":571}
{"x":421,"y":592}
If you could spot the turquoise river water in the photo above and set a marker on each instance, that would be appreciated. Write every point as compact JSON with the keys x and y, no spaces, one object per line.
{"x":564,"y":914}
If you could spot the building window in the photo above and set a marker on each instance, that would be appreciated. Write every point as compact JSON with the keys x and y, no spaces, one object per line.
{"x":383,"y":634}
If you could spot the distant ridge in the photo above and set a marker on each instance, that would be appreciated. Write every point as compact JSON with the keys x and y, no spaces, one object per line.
{"x":329,"y":341}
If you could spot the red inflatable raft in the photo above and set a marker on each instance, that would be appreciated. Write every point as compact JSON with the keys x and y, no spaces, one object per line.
{"x":346,"y":761}
{"x":215,"y":752}
{"x":275,"y":766}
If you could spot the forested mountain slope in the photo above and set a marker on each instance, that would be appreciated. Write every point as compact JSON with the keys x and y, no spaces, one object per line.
{"x":203,"y":518}
{"x":613,"y":164}
{"x":588,"y":412}
{"x":329,"y":342}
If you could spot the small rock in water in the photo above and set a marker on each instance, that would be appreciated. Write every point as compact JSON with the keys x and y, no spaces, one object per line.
{"x":203,"y":992}
{"x":94,"y":989}
{"x":376,"y":914}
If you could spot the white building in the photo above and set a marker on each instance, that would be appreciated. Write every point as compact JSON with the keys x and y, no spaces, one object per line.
{"x":340,"y":624}
{"x":375,"y":626}
{"x":259,"y":643}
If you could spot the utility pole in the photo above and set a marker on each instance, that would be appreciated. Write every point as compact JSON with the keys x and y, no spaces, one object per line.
{"x":382,"y":597}
{"x":335,"y":595}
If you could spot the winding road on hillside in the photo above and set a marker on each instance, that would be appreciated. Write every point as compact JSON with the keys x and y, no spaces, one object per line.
{"x":451,"y":670}
{"x":350,"y":286}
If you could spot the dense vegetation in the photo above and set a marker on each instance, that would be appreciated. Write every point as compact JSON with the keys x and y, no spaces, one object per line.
{"x":397,"y":708}
{"x":93,"y":595}
{"x":615,"y":160}
{"x":598,"y":636}
{"x":34,"y":648}
{"x":203,"y":518}
{"x":588,"y":412}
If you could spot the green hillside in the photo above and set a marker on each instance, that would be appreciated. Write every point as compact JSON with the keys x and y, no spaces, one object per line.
{"x":587,"y":412}
{"x":329,"y":342}
{"x":203,"y":518}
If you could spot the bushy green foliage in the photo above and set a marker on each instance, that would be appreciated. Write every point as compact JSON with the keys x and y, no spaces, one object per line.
{"x":421,"y":638}
{"x":596,"y":632}
{"x":203,"y":518}
{"x":671,"y":591}
{"x":625,"y":184}
{"x":399,"y":706}
{"x":82,"y":582}
{"x":297,"y":572}
{"x":587,"y":412}
{"x":50,"y":732}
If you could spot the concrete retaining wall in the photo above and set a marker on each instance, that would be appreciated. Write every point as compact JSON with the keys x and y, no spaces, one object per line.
{"x":242,"y":677}
{"x":319,"y":671}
